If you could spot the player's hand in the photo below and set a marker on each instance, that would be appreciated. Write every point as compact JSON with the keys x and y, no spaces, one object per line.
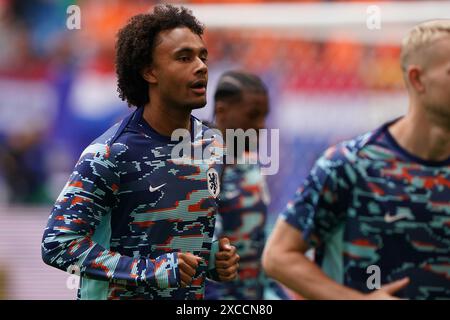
{"x":387,"y":291}
{"x":187,"y":265}
{"x":226,"y":261}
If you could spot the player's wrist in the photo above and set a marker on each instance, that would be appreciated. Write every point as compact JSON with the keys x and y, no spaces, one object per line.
{"x":165,"y":272}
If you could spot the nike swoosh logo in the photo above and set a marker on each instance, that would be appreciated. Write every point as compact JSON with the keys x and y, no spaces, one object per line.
{"x":389,"y":219}
{"x":157,"y":188}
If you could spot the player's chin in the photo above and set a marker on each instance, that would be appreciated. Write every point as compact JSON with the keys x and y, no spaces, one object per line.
{"x":197,"y":103}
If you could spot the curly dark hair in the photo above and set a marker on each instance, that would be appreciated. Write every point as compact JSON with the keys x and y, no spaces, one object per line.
{"x":134,"y":48}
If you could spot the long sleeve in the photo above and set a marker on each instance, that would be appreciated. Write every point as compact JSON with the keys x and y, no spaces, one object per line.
{"x":319,"y":204}
{"x":76,"y":230}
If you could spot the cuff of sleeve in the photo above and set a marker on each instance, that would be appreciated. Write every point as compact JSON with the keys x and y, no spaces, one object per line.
{"x":167,"y":274}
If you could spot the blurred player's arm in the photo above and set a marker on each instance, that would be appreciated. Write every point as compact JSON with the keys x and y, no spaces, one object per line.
{"x":77,"y":231}
{"x":284,"y":259}
{"x":317,"y":211}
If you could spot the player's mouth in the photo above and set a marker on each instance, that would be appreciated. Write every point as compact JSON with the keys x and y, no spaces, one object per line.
{"x":199,"y":86}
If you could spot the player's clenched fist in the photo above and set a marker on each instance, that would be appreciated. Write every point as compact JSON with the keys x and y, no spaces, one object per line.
{"x":226,"y":260}
{"x":187,"y":265}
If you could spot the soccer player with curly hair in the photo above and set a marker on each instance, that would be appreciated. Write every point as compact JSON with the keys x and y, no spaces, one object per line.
{"x":137,"y":222}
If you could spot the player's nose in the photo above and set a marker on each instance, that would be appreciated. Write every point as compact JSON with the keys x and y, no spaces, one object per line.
{"x":201,"y":66}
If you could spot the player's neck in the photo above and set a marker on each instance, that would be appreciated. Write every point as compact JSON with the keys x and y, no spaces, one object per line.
{"x":422,"y":137}
{"x":165,"y":120}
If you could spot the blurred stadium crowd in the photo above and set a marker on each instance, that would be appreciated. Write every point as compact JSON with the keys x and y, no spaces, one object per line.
{"x":58,"y":88}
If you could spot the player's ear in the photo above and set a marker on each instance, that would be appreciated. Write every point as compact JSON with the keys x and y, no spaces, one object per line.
{"x":149,"y":75}
{"x":415,"y":78}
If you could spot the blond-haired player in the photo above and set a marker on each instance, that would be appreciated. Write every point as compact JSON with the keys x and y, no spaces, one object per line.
{"x":377,"y":207}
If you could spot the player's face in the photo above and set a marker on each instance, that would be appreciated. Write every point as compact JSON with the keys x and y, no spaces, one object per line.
{"x":179,"y":67}
{"x":436,"y":78}
{"x":249,"y":113}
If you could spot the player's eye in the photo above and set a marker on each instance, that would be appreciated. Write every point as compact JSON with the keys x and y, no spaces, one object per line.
{"x":184,"y":59}
{"x":204,"y":59}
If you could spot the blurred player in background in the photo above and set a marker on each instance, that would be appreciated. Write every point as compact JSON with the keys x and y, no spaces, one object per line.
{"x":242,"y":102}
{"x":381,"y":199}
{"x":137,"y":223}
